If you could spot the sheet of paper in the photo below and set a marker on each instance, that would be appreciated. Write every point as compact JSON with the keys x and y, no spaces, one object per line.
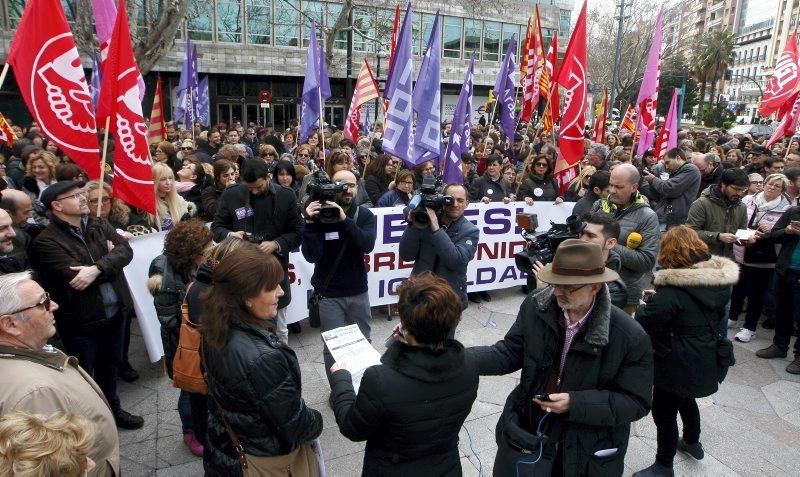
{"x":349,"y":346}
{"x":745,"y":234}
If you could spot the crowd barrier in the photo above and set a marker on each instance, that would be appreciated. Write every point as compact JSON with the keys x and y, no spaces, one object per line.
{"x":493,"y":267}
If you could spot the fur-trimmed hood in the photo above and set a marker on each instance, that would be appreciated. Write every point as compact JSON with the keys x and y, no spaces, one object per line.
{"x":709,"y":282}
{"x":599,"y":319}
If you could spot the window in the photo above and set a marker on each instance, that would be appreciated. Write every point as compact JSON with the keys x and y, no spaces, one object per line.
{"x":259,"y":22}
{"x":451,"y":40}
{"x":564,"y":25}
{"x":229,"y":21}
{"x":198,"y":20}
{"x":427,"y":27}
{"x":491,"y":41}
{"x":230,"y":87}
{"x":509,"y":30}
{"x":384,"y":27}
{"x":287,"y":25}
{"x":364,"y":29}
{"x":333,"y":10}
{"x":15,"y":10}
{"x":472,"y":38}
{"x":313,"y":10}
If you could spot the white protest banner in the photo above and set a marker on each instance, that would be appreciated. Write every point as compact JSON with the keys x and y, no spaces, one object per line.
{"x":492,"y":268}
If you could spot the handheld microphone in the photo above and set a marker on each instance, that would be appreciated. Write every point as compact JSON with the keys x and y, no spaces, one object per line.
{"x":634,"y":240}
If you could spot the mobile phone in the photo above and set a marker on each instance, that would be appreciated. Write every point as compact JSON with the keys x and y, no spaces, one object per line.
{"x":542,"y":397}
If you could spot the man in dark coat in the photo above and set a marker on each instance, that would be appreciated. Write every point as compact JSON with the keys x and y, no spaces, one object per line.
{"x":79,"y":260}
{"x":587,"y":372}
{"x":265,"y":212}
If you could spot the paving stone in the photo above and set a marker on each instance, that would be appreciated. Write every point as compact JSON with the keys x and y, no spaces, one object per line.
{"x":784,"y":396}
{"x":345,"y":466}
{"x":742,"y":397}
{"x":189,"y":469}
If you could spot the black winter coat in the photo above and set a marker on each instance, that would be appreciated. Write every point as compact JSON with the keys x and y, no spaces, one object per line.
{"x":409,"y":409}
{"x":538,"y":189}
{"x":376,"y":187}
{"x":61,"y":246}
{"x":256,"y":380}
{"x":210,"y":197}
{"x":682,"y":319}
{"x":608,"y":374}
{"x":167,"y":300}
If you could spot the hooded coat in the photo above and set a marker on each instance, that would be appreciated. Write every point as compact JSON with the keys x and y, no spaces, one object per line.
{"x":682,"y":319}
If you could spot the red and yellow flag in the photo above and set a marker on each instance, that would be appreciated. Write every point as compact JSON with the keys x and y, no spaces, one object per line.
{"x":600,"y":122}
{"x":7,"y":135}
{"x":628,"y":123}
{"x":548,"y":88}
{"x":158,"y":127}
{"x":366,"y":90}
{"x":531,"y":66}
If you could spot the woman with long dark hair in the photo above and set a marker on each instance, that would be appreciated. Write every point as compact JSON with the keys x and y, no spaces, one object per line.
{"x":682,"y":316}
{"x":378,"y":175}
{"x":224,"y":173}
{"x":253,"y":378}
{"x":538,"y":184}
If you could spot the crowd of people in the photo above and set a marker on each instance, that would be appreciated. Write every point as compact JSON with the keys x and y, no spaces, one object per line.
{"x":631,"y":317}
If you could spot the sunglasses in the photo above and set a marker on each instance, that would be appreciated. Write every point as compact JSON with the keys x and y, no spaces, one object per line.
{"x":44,"y":301}
{"x":304,"y":155}
{"x":185,"y":149}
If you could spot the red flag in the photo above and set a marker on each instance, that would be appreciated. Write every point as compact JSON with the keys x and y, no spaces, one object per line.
{"x":549,"y":89}
{"x":7,"y":135}
{"x":788,"y":124}
{"x":573,"y":78}
{"x":50,"y":77}
{"x":600,"y":122}
{"x":531,"y":67}
{"x":785,"y":80}
{"x":119,"y":102}
{"x":158,"y":127}
{"x":366,"y":90}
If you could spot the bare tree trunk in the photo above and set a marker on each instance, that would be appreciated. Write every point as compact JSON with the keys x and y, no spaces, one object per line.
{"x":338,"y":26}
{"x":160,"y":35}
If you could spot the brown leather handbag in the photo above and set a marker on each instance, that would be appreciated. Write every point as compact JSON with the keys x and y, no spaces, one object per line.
{"x":186,"y":372}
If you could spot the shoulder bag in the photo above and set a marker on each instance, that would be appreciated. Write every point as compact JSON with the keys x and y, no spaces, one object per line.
{"x":186,"y":372}
{"x":763,"y":251}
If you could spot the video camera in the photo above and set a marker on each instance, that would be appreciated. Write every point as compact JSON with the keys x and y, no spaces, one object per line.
{"x":430,"y":196}
{"x":542,"y":247}
{"x":321,"y":188}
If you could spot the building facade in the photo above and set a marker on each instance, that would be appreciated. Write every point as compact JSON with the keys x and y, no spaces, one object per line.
{"x":248,"y":46}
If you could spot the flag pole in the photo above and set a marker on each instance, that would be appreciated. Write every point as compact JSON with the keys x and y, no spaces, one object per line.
{"x":3,"y":74}
{"x":321,"y":105}
{"x":103,"y":167}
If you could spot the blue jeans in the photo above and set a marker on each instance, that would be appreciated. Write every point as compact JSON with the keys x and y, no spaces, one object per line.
{"x":99,"y":353}
{"x":185,"y":411}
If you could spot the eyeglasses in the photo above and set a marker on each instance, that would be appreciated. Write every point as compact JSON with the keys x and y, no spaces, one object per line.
{"x":407,"y":182}
{"x":304,"y":155}
{"x":540,"y":164}
{"x":106,"y":200}
{"x":76,"y":195}
{"x":44,"y":301}
{"x":349,"y":185}
{"x":570,"y":288}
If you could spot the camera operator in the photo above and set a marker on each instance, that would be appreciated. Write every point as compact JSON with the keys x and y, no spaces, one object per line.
{"x":446,"y":245}
{"x":265,"y":213}
{"x":603,"y":229}
{"x":336,"y":244}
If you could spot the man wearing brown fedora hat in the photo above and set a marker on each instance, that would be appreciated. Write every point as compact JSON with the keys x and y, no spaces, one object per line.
{"x":587,"y":373}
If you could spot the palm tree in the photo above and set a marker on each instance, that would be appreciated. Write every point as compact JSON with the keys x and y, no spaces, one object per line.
{"x":712,"y":59}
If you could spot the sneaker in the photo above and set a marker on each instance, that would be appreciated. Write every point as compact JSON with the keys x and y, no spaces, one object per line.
{"x":126,"y":420}
{"x":655,"y":470}
{"x":733,"y":324}
{"x":127,"y":373}
{"x":794,"y":366}
{"x":695,"y":450}
{"x":772,"y":351}
{"x":195,"y":447}
{"x":744,"y":335}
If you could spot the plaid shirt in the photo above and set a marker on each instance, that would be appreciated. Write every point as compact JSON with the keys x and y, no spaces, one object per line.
{"x":570,"y":331}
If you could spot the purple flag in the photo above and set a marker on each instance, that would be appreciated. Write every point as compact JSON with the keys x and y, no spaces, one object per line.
{"x":202,"y":105}
{"x":647,"y":101}
{"x":427,"y":99}
{"x":187,"y":86}
{"x":398,"y":135}
{"x":460,"y":131}
{"x":97,"y":79}
{"x":316,"y":86}
{"x":505,"y":90}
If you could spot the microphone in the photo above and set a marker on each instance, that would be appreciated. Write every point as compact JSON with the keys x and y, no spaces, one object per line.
{"x":634,"y":240}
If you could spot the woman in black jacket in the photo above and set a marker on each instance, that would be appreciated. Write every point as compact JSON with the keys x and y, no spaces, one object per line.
{"x":224,"y":176}
{"x":378,"y":176}
{"x":253,"y":378}
{"x":410,"y":408}
{"x":539,"y":184}
{"x":682,"y":318}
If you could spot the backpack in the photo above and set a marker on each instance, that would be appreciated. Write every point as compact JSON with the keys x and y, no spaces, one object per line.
{"x":186,"y":372}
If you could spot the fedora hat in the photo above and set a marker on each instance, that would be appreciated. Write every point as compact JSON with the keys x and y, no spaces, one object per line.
{"x":577,"y":263}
